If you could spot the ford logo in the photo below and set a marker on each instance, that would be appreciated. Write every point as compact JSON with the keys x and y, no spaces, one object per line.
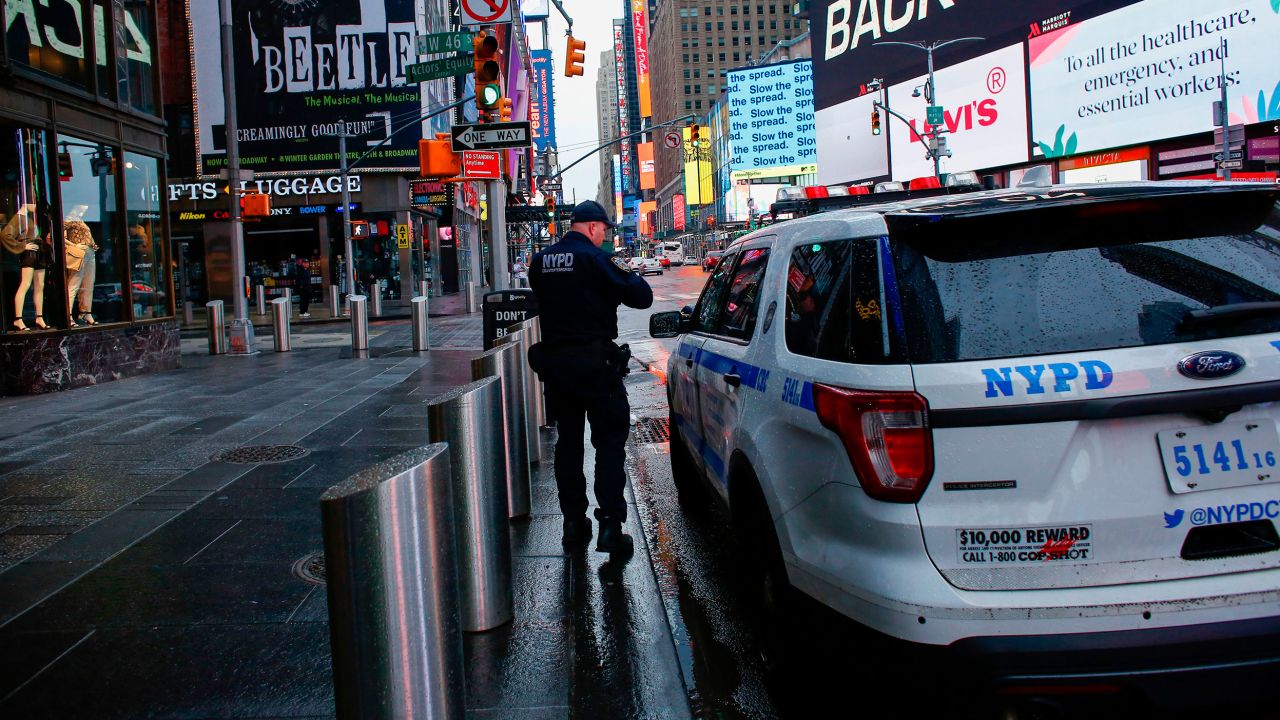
{"x":1210,"y":365}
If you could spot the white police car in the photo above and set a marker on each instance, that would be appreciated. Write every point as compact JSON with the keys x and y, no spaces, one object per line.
{"x":1020,"y":424}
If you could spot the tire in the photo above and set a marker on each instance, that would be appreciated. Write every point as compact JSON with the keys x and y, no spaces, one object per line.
{"x":773,"y":600}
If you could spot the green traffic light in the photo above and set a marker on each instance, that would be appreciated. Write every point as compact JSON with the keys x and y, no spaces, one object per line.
{"x":490,"y":94}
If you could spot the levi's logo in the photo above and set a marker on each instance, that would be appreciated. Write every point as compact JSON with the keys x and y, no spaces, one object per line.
{"x":1039,"y":379}
{"x":983,"y":113}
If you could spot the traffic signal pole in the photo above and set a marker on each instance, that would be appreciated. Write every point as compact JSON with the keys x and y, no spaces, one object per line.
{"x":242,"y":340}
{"x":346,"y":213}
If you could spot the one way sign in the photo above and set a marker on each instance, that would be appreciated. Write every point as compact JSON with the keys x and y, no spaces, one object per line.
{"x":490,"y":136}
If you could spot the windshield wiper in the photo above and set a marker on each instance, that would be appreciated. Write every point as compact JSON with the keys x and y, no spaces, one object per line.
{"x":1229,"y":313}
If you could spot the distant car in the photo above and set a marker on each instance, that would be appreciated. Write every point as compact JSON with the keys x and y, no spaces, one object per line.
{"x":711,"y":260}
{"x":645,"y":266}
{"x":690,"y":260}
{"x":665,"y":261}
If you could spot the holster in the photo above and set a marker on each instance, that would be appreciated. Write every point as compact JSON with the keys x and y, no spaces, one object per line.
{"x":587,"y":367}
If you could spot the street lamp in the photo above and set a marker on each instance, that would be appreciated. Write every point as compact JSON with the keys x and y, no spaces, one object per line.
{"x":931,"y":90}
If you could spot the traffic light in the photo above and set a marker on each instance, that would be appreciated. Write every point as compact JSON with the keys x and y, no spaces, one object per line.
{"x":65,"y":169}
{"x":551,"y":208}
{"x":255,"y":205}
{"x":359,"y":229}
{"x":436,"y":158}
{"x":574,"y":57}
{"x":875,"y":122}
{"x":504,"y":109}
{"x":694,"y":132}
{"x":488,"y":71}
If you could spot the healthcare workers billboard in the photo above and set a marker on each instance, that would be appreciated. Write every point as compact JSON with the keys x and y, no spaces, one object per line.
{"x":771,"y":122}
{"x":1151,"y":71}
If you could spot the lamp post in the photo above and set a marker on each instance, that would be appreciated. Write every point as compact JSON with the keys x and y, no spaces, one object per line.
{"x":931,"y":92}
{"x":241,"y":328}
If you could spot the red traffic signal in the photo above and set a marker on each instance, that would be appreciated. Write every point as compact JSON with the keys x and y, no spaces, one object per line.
{"x":694,"y":133}
{"x":574,"y":57}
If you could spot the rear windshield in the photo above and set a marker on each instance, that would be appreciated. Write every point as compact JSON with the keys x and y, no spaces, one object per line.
{"x":1111,"y":290}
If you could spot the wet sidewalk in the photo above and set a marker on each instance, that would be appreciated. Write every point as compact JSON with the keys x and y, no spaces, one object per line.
{"x":141,"y":576}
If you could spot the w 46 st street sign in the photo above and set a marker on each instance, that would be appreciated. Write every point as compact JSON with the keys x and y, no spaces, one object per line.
{"x":491,"y":136}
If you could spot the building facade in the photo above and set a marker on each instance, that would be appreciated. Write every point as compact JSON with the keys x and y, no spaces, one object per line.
{"x":606,"y":125}
{"x":86,"y":290}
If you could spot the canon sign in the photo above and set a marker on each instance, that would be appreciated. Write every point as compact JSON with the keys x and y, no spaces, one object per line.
{"x":897,"y":15}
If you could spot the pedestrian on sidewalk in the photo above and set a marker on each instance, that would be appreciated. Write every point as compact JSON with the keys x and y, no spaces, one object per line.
{"x":579,"y":287}
{"x":302,"y":278}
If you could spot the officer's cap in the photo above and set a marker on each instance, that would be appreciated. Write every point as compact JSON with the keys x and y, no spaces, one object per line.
{"x":590,"y":211}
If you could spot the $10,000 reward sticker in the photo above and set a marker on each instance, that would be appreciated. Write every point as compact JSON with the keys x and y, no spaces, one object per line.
{"x":1025,"y":545}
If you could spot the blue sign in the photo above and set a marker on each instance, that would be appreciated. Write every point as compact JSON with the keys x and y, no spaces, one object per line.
{"x":771,"y":116}
{"x":542,"y":110}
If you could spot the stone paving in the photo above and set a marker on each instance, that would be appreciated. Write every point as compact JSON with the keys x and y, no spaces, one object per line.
{"x":144,"y":578}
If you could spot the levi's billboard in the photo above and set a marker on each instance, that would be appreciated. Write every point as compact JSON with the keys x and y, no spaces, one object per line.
{"x":984,"y":106}
{"x":846,"y":32}
{"x":1151,"y":71}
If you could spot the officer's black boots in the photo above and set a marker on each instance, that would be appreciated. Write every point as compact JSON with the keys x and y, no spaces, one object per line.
{"x":577,"y":531}
{"x":612,"y":540}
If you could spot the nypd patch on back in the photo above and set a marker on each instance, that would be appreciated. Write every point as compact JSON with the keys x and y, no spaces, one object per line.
{"x":620,"y":264}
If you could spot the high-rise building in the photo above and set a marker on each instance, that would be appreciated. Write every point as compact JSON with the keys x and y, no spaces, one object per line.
{"x":699,"y":41}
{"x":606,"y":124}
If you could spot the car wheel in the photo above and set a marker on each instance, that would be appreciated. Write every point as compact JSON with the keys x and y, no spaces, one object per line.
{"x":769,"y":591}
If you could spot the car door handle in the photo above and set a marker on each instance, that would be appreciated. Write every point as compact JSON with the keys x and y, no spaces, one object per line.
{"x":733,"y":379}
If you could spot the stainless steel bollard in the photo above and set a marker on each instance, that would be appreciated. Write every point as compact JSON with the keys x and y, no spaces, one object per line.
{"x":470,"y":419}
{"x":470,"y":299}
{"x":391,"y":562}
{"x":261,"y":293}
{"x":423,"y":289}
{"x":359,"y":322}
{"x":217,"y":333}
{"x":517,"y":337}
{"x":377,"y":300}
{"x":288,"y":297}
{"x":280,"y":324}
{"x":334,"y":295}
{"x":505,"y":363}
{"x":530,"y":334}
{"x":188,"y":312}
{"x":420,"y":337}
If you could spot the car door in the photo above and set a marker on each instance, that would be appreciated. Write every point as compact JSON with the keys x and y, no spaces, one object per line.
{"x":684,"y":375}
{"x":727,"y":375}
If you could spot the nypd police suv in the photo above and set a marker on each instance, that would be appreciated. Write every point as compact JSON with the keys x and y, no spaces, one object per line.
{"x":1016,"y":424}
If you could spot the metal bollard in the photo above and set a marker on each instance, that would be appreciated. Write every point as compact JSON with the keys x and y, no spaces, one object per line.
{"x":377,"y":300}
{"x":217,"y":333}
{"x":391,"y":564}
{"x":505,"y":363}
{"x":280,"y":324}
{"x":333,"y":301}
{"x":530,"y":335}
{"x":359,"y":322}
{"x":422,"y":288}
{"x":470,"y":419}
{"x":420,"y":337}
{"x":261,"y":292}
{"x":517,"y":338}
{"x":470,"y":299}
{"x":188,"y":313}
{"x":288,"y":297}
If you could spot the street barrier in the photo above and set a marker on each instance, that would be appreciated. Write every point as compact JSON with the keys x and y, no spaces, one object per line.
{"x":288,"y":297}
{"x":217,"y":333}
{"x":377,"y":300}
{"x":532,"y":335}
{"x":261,"y":293}
{"x":334,"y":301}
{"x":469,"y":288}
{"x":469,"y":419}
{"x":188,"y":312}
{"x":516,"y":338}
{"x":420,"y":337}
{"x":504,"y":362}
{"x":280,"y":325}
{"x":423,"y":289}
{"x":359,"y":322}
{"x":391,"y":569}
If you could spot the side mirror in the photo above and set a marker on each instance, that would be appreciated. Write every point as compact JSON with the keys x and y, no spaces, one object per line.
{"x":664,"y":324}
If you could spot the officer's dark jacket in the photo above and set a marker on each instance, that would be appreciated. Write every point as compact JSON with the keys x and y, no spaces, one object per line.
{"x":579,"y":288}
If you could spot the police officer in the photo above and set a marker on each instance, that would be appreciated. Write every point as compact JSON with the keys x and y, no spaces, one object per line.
{"x":579,"y":288}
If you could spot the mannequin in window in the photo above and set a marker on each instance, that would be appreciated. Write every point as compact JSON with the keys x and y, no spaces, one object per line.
{"x":82,"y":266}
{"x":24,"y":235}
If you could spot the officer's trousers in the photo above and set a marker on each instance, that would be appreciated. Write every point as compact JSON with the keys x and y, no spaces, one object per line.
{"x":610,"y":418}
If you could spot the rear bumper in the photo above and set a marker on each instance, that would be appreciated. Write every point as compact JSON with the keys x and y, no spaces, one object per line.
{"x":1238,"y":660}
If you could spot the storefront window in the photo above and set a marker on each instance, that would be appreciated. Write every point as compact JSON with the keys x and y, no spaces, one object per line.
{"x":31,"y":281}
{"x":50,"y":37}
{"x":146,"y":236}
{"x":136,"y":65}
{"x":95,"y":293}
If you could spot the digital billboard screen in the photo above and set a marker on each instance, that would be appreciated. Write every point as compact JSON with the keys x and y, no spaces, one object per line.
{"x":771,"y":123}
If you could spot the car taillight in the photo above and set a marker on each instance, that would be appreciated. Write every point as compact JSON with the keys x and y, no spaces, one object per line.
{"x":886,"y":435}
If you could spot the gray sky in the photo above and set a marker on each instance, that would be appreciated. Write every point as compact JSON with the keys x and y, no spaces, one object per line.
{"x":575,"y":98}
